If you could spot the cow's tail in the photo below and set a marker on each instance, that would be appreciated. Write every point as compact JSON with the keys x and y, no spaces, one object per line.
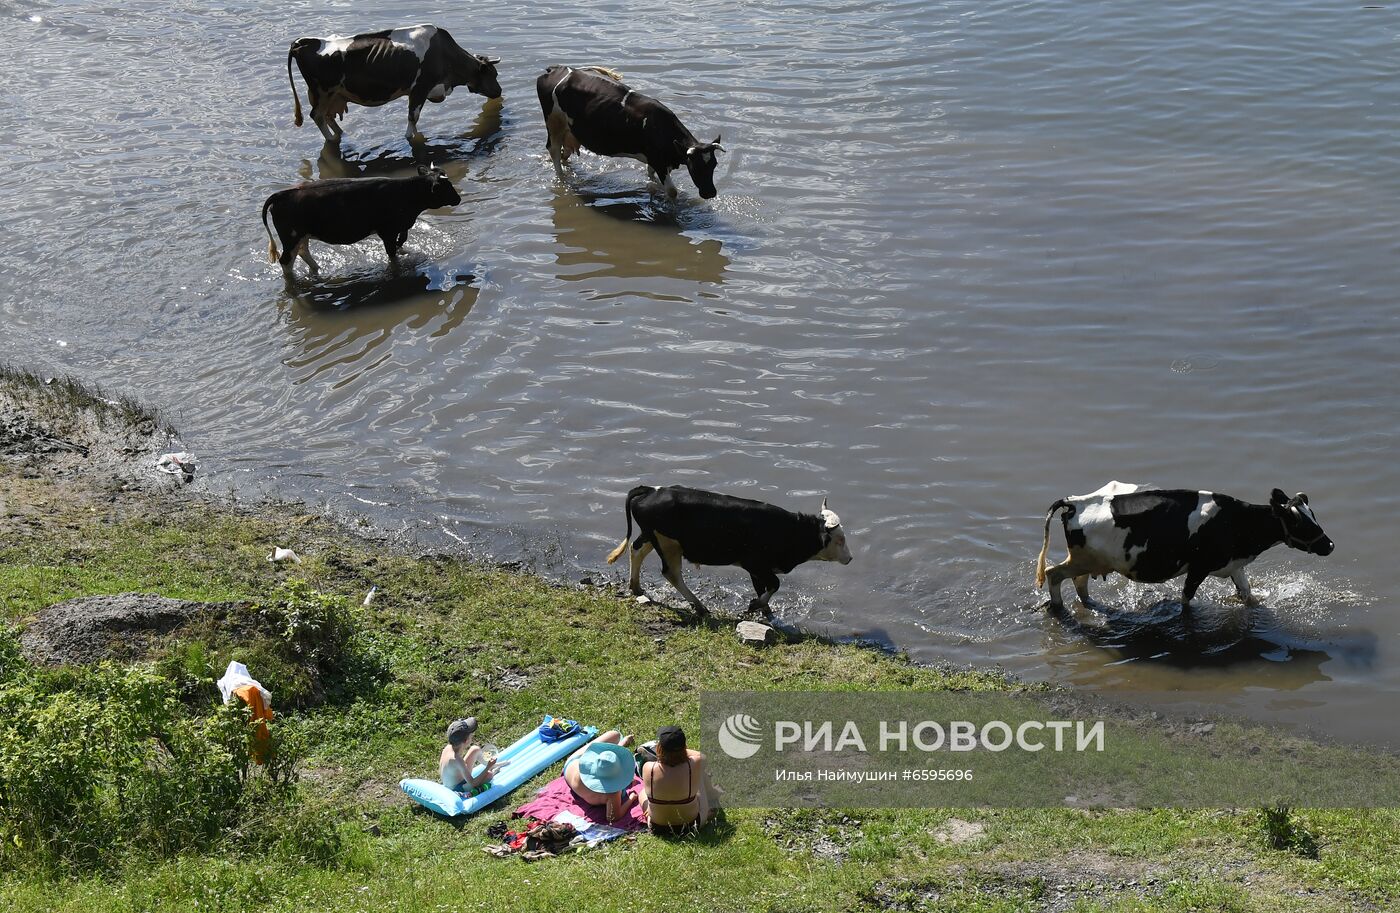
{"x":632,"y":495}
{"x":609,"y":72}
{"x":1045,"y":545}
{"x":296,"y":99}
{"x":271,"y":241}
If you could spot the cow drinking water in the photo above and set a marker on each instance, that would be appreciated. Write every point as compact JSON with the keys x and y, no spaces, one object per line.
{"x":347,"y":210}
{"x":707,"y":528}
{"x":589,"y":107}
{"x":1152,"y":536}
{"x":420,"y":61}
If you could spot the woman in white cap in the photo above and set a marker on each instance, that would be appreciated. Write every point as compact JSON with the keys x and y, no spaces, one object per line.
{"x":601,"y":772}
{"x":460,"y":757}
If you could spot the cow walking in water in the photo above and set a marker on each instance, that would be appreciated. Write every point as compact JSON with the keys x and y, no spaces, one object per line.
{"x":420,"y":61}
{"x":347,"y":210}
{"x":707,"y":528}
{"x":1152,"y":536}
{"x":591,"y":108}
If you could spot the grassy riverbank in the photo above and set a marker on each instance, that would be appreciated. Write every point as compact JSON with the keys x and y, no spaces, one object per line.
{"x":444,"y":638}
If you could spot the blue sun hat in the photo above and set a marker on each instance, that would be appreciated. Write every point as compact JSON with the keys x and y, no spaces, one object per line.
{"x":606,"y":768}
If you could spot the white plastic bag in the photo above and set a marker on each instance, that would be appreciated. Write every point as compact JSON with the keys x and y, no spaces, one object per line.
{"x":236,"y":676}
{"x":181,"y":463}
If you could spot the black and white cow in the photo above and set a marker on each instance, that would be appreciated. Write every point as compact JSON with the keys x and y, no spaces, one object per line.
{"x":346,"y":210}
{"x":1152,"y":536}
{"x":420,"y":61}
{"x":707,"y":528}
{"x":590,"y":107}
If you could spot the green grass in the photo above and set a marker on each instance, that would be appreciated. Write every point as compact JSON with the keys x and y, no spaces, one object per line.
{"x":447,"y":632}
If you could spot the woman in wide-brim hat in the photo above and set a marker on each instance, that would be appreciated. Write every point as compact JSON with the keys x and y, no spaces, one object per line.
{"x":601,"y":772}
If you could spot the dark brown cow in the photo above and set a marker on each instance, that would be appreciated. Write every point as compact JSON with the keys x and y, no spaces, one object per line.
{"x":346,"y":210}
{"x":590,"y":107}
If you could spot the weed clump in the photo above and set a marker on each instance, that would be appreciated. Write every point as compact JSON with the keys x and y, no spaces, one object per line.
{"x":303,"y":644}
{"x":1284,"y":831}
{"x":310,"y":648}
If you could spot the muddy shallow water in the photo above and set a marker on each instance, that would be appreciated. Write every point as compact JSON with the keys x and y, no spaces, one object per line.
{"x":966,"y":259}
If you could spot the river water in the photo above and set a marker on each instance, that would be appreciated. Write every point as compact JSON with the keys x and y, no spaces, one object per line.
{"x":967,"y":258}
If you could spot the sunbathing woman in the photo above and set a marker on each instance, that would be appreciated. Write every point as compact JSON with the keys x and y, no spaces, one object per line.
{"x":676,"y":793}
{"x":600,"y":773}
{"x":460,"y":757}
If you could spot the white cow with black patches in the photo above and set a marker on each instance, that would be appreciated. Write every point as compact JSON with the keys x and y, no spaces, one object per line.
{"x":422,"y":62}
{"x":1152,"y":536}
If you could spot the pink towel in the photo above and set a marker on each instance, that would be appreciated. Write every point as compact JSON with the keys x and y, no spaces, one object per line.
{"x":556,"y":797}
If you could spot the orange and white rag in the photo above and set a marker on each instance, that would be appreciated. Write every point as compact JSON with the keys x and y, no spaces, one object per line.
{"x":237,"y":683}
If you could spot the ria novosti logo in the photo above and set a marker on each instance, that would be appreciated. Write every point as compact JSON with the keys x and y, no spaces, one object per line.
{"x":740,"y":735}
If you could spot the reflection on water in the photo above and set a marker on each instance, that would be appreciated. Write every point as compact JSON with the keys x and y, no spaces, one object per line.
{"x":1211,"y":635}
{"x":342,"y":324}
{"x":450,"y":154}
{"x":379,"y":287}
{"x":629,"y":236}
{"x":1200,"y":649}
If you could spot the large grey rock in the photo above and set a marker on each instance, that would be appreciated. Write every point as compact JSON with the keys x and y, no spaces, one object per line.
{"x":755,"y":633}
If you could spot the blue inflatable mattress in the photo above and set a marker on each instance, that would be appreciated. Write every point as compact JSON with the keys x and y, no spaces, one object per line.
{"x":516,"y":764}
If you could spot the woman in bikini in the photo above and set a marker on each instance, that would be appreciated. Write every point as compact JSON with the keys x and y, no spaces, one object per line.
{"x":676,"y":793}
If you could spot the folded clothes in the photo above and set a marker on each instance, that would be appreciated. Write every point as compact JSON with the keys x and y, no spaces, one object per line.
{"x":589,"y":833}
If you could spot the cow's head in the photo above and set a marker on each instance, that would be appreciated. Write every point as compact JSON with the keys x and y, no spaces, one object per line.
{"x":700,"y":162}
{"x":441,"y":193}
{"x":484,"y":81}
{"x":833,"y":538}
{"x":1300,"y":527}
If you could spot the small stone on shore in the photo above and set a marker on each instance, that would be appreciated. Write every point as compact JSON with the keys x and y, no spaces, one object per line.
{"x":755,"y":634}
